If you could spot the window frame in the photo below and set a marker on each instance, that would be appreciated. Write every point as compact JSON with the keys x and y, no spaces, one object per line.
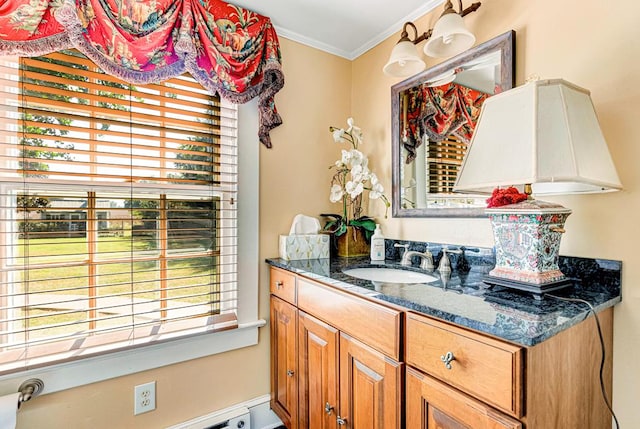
{"x":62,"y":376}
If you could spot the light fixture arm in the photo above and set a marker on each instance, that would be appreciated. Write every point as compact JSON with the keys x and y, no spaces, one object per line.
{"x":448,"y":8}
{"x":472,"y":8}
{"x":404,"y":36}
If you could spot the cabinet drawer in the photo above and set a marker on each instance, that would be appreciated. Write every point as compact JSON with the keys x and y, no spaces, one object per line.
{"x":488,"y":369}
{"x":283,"y":285}
{"x":373,"y":324}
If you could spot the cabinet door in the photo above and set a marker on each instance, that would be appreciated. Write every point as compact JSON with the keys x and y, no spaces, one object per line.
{"x":318,"y":373}
{"x":432,"y":404}
{"x":370,"y":387}
{"x":284,"y":353}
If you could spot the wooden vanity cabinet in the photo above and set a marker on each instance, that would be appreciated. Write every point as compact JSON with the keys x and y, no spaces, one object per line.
{"x":489,"y":383}
{"x":348,"y":372}
{"x":444,"y":361}
{"x":284,"y":347}
{"x":341,"y":360}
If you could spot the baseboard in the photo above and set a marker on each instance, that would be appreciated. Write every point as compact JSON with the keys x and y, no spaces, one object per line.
{"x":261,"y":415}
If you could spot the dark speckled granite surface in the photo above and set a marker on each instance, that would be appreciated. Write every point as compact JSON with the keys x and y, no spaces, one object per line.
{"x":462,"y":297}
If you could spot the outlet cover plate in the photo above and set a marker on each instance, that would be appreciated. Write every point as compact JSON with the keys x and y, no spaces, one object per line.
{"x":144,"y":397}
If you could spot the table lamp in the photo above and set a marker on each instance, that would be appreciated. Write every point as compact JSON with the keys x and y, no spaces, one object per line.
{"x":543,"y":136}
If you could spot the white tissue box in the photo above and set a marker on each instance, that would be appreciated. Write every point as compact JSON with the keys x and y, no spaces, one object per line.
{"x":304,"y":246}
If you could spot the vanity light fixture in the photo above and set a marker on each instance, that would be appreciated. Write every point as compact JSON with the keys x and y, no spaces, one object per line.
{"x":448,"y":37}
{"x":544,"y":136}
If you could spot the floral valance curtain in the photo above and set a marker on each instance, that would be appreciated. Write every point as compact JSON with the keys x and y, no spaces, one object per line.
{"x":228,"y":49}
{"x":438,"y":112}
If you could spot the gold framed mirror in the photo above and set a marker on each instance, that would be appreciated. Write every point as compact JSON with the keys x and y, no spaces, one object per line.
{"x":433,"y":117}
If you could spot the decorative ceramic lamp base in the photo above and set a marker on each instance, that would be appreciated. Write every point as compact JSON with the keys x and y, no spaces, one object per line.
{"x":352,"y":243}
{"x":527,"y":237}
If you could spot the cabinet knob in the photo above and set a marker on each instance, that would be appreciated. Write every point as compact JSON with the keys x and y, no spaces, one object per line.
{"x":341,"y":421}
{"x":279,"y":284}
{"x":328,"y":408}
{"x":290,"y":373}
{"x":447,"y":359}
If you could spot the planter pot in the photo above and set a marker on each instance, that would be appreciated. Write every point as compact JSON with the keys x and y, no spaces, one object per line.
{"x":352,"y":243}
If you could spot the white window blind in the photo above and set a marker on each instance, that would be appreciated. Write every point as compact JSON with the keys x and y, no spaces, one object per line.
{"x":117,"y":208}
{"x":444,"y":159}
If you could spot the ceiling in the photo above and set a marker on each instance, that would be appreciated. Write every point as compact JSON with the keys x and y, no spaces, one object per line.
{"x":344,"y":28}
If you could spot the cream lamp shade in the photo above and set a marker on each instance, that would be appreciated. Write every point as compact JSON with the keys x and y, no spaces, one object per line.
{"x":544,"y":133}
{"x":404,"y":60}
{"x":450,"y":37}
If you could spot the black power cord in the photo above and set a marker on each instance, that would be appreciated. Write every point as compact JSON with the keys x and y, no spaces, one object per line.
{"x":595,"y":315}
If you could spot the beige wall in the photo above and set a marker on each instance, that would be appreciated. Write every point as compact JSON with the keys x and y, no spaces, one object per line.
{"x":294,"y":177}
{"x":594,"y":44}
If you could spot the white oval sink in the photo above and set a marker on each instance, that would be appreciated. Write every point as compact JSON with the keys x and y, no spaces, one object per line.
{"x":389,"y":275}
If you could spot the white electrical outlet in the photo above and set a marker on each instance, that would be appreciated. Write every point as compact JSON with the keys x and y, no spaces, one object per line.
{"x":144,"y":398}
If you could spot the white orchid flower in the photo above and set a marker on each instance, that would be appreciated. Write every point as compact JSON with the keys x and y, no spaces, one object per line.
{"x":354,"y":189}
{"x":365,"y":163}
{"x":338,"y":135}
{"x":352,"y":176}
{"x":357,"y":173}
{"x":357,"y":157}
{"x":346,"y":156}
{"x":352,"y":128}
{"x":376,"y":191}
{"x":355,"y":132}
{"x":336,"y":193}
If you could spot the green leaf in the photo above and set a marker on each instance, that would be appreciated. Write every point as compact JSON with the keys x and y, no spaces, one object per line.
{"x":365,"y":223}
{"x":335,"y":225}
{"x":342,"y":229}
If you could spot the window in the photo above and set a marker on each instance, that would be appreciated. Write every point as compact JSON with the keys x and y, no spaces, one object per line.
{"x":444,"y":159}
{"x":119,"y":211}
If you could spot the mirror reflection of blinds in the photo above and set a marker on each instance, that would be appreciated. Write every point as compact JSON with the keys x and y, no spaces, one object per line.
{"x":117,"y":211}
{"x":444,"y":159}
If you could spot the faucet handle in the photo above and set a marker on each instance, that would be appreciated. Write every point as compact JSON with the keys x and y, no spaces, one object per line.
{"x":457,"y":250}
{"x":445,"y":263}
{"x":405,"y":246}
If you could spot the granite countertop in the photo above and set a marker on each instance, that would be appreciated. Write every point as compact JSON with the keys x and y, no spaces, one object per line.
{"x":465,"y":300}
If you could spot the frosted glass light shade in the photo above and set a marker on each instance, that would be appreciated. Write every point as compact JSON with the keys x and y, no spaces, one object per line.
{"x":545,"y":133}
{"x":450,"y":37}
{"x":404,"y":60}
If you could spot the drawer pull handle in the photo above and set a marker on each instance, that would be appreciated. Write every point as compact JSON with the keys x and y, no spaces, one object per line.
{"x":290,"y":373}
{"x":447,"y":359}
{"x":328,"y":408}
{"x":341,"y":421}
{"x":279,"y":284}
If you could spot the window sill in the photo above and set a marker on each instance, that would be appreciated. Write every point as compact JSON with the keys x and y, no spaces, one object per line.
{"x":100,"y":368}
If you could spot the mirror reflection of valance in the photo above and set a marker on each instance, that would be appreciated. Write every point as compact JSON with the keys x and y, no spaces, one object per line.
{"x":228,"y":49}
{"x":438,"y":112}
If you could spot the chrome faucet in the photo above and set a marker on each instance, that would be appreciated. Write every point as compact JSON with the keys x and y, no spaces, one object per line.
{"x":427,"y":257}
